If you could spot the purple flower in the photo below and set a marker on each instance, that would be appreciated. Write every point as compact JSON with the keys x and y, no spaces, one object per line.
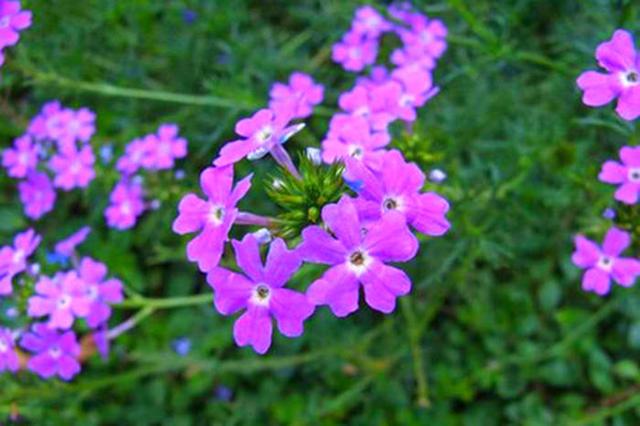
{"x":62,"y":298}
{"x":67,"y":246}
{"x":377,"y":76}
{"x":356,"y":256}
{"x":99,"y":291}
{"x":262,"y":132}
{"x":410,"y":89}
{"x":355,"y":51}
{"x":364,"y":102}
{"x":22,"y":158}
{"x":403,"y":57}
{"x":603,"y":264}
{"x":12,"y":21}
{"x":260,"y":291}
{"x":126,"y":204}
{"x":625,"y":174}
{"x":165,"y":148}
{"x":8,"y":356}
{"x":55,"y":353}
{"x":299,"y":97}
{"x":37,"y":195}
{"x":136,"y":152}
{"x":213,"y":217}
{"x":13,"y":260}
{"x":75,"y":126}
{"x":47,"y":125}
{"x":73,"y":169}
{"x":618,"y":57}
{"x":426,"y":37}
{"x":352,"y":137}
{"x":370,"y":23}
{"x":397,"y":187}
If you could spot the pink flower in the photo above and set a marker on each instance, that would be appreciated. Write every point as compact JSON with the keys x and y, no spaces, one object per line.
{"x":300,"y":96}
{"x":47,"y":125}
{"x":363,"y":101}
{"x":264,"y":132}
{"x":54,"y":353}
{"x":617,"y":56}
{"x":12,"y":21}
{"x":62,"y":299}
{"x":409,"y":90}
{"x":75,"y":126}
{"x":22,"y":158}
{"x":126,"y":204}
{"x":99,"y":291}
{"x":136,"y":152}
{"x":604,"y":264}
{"x":213,"y":217}
{"x":37,"y":195}
{"x":355,"y":52}
{"x":625,"y":174}
{"x":164,"y":148}
{"x":8,"y":356}
{"x":426,"y":37}
{"x":370,"y":23}
{"x":73,"y":169}
{"x":13,"y":260}
{"x":260,"y":291}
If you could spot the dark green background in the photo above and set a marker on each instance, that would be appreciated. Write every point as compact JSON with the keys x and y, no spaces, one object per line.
{"x":496,"y":330}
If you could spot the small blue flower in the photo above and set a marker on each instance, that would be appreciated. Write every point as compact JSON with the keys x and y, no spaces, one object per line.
{"x":181,"y":346}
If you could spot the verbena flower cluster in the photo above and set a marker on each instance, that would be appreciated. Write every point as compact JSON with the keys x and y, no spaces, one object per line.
{"x":13,"y":20}
{"x":604,"y":264}
{"x":44,"y":340}
{"x":358,"y":233}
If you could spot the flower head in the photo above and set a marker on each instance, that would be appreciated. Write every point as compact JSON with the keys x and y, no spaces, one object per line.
{"x":62,"y":298}
{"x":126,"y":204}
{"x":622,"y":80}
{"x":73,"y":168}
{"x":48,"y":124}
{"x":425,"y":37}
{"x":364,"y":102}
{"x":357,"y":256}
{"x":12,"y":20}
{"x":8,"y":356}
{"x":397,"y":187}
{"x":54,"y":353}
{"x":136,"y":152}
{"x":355,"y":51}
{"x":75,"y":126}
{"x":13,"y":259}
{"x":298,"y":97}
{"x":370,"y":23}
{"x":37,"y":195}
{"x":352,"y":137}
{"x":626,"y":174}
{"x":262,"y":133}
{"x":259,"y":291}
{"x":165,"y":147}
{"x":22,"y":158}
{"x":604,"y":263}
{"x":212,"y":217}
{"x":100,"y":291}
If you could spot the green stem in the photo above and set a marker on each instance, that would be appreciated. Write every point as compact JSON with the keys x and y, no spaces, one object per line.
{"x":413,"y":328}
{"x":166,"y":303}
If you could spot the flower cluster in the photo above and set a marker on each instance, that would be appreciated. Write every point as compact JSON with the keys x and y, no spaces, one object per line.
{"x":52,"y":304}
{"x":153,"y":152}
{"x":358,"y":233}
{"x":619,"y":58}
{"x":12,"y":20}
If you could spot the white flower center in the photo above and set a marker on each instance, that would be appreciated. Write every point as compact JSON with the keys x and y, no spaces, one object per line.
{"x":355,"y":53}
{"x":356,"y":151}
{"x":605,"y":263}
{"x":629,"y":78}
{"x":358,"y":261}
{"x":406,"y":100}
{"x":64,"y":301}
{"x":216,"y":215}
{"x":23,"y":158}
{"x":76,"y":167}
{"x":391,"y":202}
{"x":55,"y":352}
{"x":92,"y":292}
{"x":264,"y":134}
{"x":373,"y":21}
{"x":261,"y":295}
{"x":18,"y":256}
{"x":4,"y":346}
{"x":125,"y":208}
{"x":362,"y":111}
{"x":4,"y":22}
{"x":634,"y":175}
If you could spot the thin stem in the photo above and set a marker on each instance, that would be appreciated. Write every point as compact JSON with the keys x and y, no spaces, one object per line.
{"x":130,"y":323}
{"x":413,"y":330}
{"x":244,"y":218}
{"x":166,"y":303}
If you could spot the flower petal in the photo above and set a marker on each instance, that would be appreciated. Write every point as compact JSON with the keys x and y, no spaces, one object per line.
{"x":254,"y":328}
{"x":337,"y":288}
{"x":290,"y":309}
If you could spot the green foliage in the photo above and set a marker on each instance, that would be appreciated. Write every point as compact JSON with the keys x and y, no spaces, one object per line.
{"x":496,"y":329}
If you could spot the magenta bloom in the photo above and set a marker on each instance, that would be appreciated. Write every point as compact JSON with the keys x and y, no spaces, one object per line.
{"x":618,"y":57}
{"x":410,"y":89}
{"x":299,"y":97}
{"x":426,"y":37}
{"x":12,"y":21}
{"x":352,"y":137}
{"x":73,"y":169}
{"x":62,"y":298}
{"x":370,"y":23}
{"x":55,"y":353}
{"x":603,"y":264}
{"x":362,"y":101}
{"x":100,"y":292}
{"x":67,"y":246}
{"x":8,"y":356}
{"x":625,"y":174}
{"x":22,"y":158}
{"x":13,"y":260}
{"x":136,"y":153}
{"x":355,"y":51}
{"x":75,"y":126}
{"x":48,"y":124}
{"x":262,"y":132}
{"x":260,"y":291}
{"x":37,"y":195}
{"x":404,"y":57}
{"x":213,"y":217}
{"x":397,"y":187}
{"x":165,"y":147}
{"x":358,"y":257}
{"x":126,"y":205}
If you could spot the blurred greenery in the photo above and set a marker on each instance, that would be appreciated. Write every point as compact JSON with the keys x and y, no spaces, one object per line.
{"x":496,"y":329}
